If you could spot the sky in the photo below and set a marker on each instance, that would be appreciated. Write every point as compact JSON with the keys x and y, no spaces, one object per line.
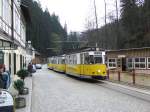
{"x":76,"y":13}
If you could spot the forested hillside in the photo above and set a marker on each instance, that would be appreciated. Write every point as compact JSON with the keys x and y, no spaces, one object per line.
{"x":130,"y":31}
{"x":44,"y":30}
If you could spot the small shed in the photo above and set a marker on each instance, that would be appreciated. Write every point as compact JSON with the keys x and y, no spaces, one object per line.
{"x":37,"y":59}
{"x":128,"y":59}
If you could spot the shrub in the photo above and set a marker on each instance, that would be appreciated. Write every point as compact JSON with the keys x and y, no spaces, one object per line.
{"x":22,"y":74}
{"x":19,"y":85}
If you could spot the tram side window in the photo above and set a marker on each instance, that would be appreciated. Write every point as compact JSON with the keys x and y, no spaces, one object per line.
{"x":63,"y":61}
{"x":81,"y":58}
{"x":86,"y":60}
{"x":75,"y":59}
{"x":69,"y":59}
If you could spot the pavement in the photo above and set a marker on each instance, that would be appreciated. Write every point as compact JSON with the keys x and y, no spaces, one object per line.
{"x":54,"y":92}
{"x":57,"y":95}
{"x":28,"y":84}
{"x":135,"y":91}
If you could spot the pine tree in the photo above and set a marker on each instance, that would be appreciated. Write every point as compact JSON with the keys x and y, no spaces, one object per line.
{"x":129,"y":15}
{"x":44,"y":29}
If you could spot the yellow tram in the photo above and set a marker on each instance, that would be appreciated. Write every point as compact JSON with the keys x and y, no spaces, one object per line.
{"x":50,"y":63}
{"x":57,"y":63}
{"x":88,"y":64}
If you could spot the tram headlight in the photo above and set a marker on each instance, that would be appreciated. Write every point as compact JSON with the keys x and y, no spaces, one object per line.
{"x":99,"y":71}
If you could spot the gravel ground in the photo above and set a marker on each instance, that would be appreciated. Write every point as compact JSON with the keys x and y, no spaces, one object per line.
{"x":54,"y":92}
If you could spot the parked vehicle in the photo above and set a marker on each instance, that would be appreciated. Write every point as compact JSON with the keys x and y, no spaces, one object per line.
{"x":38,"y":66}
{"x":33,"y":68}
{"x":6,"y":101}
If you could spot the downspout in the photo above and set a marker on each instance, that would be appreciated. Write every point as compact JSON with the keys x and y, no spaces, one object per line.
{"x":12,"y":21}
{"x":12,"y":37}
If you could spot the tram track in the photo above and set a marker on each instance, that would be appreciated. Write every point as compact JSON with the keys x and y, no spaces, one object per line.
{"x":135,"y":92}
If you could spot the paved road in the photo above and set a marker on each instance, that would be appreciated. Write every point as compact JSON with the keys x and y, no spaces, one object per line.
{"x":53,"y":92}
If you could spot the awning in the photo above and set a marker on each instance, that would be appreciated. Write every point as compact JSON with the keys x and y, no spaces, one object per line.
{"x":6,"y":44}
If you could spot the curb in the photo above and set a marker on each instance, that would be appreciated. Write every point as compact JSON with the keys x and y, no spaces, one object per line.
{"x":143,"y":94}
{"x":28,"y":97}
{"x":143,"y":91}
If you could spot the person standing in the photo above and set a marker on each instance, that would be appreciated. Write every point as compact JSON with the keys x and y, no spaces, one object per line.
{"x":30,"y":67}
{"x":2,"y":83}
{"x":4,"y":77}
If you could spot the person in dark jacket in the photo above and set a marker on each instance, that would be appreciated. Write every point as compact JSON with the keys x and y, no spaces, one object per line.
{"x":5,"y":79}
{"x":2,"y":83}
{"x":30,"y":67}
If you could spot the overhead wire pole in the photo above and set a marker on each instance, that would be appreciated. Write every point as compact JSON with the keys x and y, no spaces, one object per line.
{"x":96,"y":20}
{"x":117,"y":11}
{"x":117,"y":23}
{"x":105,"y":24}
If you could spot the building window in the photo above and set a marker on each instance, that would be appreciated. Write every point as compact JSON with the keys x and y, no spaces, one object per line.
{"x":140,"y":63}
{"x":119,"y":63}
{"x":148,"y":63}
{"x":130,"y":63}
{"x":1,"y":57}
{"x":112,"y":63}
{"x":1,"y":8}
{"x":7,"y":11}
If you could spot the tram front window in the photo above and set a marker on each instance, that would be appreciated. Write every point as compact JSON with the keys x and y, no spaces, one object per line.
{"x":93,"y":60}
{"x":98,"y":60}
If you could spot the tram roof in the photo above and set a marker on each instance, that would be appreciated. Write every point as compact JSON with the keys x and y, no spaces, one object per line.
{"x":142,"y":48}
{"x":85,"y":49}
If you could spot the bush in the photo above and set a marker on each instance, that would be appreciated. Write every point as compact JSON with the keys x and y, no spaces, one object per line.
{"x":19,"y":85}
{"x":22,"y":74}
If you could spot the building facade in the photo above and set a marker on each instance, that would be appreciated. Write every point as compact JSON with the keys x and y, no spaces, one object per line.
{"x":13,"y":22}
{"x":129,"y":59}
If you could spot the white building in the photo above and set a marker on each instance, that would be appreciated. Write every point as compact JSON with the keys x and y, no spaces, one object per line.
{"x":30,"y":53}
{"x":13,"y":19}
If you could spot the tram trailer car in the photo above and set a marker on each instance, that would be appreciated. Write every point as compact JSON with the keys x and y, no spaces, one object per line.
{"x":90,"y":64}
{"x":50,"y":63}
{"x":57,"y":63}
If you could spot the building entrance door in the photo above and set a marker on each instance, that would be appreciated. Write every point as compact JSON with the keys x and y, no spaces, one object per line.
{"x":124,"y":64}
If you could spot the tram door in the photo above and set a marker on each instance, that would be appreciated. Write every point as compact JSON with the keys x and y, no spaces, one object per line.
{"x":123,"y":64}
{"x":82,"y":64}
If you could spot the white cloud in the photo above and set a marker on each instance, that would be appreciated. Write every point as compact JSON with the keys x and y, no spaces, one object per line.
{"x":75,"y":12}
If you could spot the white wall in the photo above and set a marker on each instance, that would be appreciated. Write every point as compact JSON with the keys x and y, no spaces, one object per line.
{"x":19,"y":25}
{"x":19,"y":34}
{"x":5,"y":14}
